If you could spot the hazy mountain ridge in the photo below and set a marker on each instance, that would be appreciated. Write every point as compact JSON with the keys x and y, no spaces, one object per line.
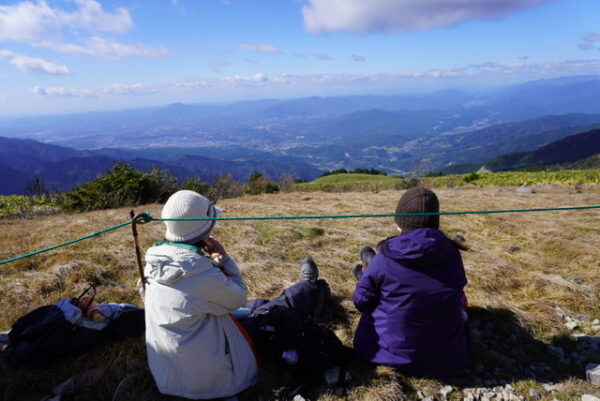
{"x":396,"y":134}
{"x":570,"y":149}
{"x":61,"y":168}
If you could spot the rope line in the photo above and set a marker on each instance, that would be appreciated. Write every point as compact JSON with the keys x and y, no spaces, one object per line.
{"x":146,"y":217}
{"x":354,"y":216}
{"x":66,"y":243}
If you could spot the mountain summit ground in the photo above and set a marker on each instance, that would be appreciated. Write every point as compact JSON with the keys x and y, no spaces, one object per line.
{"x":533,"y":287}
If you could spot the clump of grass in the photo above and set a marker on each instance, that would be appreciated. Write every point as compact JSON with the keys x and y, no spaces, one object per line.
{"x":311,"y":232}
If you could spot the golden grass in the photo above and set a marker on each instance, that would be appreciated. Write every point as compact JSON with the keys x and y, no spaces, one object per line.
{"x":532,"y":283}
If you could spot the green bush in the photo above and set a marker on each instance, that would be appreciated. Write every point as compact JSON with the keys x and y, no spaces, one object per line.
{"x":259,"y":183}
{"x":122,"y":186}
{"x":194,"y":184}
{"x":471,"y":177}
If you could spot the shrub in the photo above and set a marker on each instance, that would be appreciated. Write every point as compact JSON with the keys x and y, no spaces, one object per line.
{"x":409,"y":183}
{"x":471,"y":177}
{"x":259,"y":183}
{"x":122,"y":186}
{"x":224,"y":186}
{"x":194,"y":184}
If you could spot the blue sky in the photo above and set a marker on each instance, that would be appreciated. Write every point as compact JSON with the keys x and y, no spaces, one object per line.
{"x":78,"y":55}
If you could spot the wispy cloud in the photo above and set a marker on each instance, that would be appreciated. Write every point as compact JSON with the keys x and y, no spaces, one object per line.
{"x":219,"y":65}
{"x":115,"y":89}
{"x":108,"y":49}
{"x":321,"y":56}
{"x":356,"y":57}
{"x":260,"y":48}
{"x":34,"y":64}
{"x":589,"y":41}
{"x":360,"y":16}
{"x":483,"y":72}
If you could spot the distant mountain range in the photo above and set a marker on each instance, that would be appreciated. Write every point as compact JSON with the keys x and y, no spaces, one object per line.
{"x":574,"y":151}
{"x":61,"y":168}
{"x":302,"y":137}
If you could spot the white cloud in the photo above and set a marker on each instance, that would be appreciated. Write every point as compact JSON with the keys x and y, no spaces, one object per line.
{"x":360,"y":16}
{"x":108,"y":49}
{"x":260,"y":48}
{"x":115,"y":89}
{"x":64,"y":92}
{"x":29,"y":22}
{"x":589,"y":40}
{"x":34,"y":64}
{"x":41,"y":26}
{"x":358,"y":58}
{"x":483,"y":72}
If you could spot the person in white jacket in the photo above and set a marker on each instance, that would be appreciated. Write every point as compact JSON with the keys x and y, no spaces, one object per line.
{"x":195,"y":348}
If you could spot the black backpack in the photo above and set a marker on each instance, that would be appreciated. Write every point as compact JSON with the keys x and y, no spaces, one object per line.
{"x":44,"y":334}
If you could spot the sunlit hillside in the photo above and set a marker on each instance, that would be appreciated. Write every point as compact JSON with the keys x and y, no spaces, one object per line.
{"x":529,"y":274}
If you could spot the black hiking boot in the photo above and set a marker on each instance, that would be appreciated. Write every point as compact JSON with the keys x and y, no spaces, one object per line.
{"x":309,"y":271}
{"x":366,"y":254}
{"x":323,"y":310}
{"x":357,"y":271}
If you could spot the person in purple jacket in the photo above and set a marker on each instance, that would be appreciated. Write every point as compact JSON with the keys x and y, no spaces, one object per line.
{"x":411,"y":295}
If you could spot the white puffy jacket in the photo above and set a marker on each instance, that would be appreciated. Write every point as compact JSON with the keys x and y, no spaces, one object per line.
{"x":195,"y":349}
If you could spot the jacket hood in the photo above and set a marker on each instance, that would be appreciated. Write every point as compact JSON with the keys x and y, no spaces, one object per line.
{"x":417,"y":248}
{"x":167,"y":264}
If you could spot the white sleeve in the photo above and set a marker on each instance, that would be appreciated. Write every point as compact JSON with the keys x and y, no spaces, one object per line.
{"x":229,"y":290}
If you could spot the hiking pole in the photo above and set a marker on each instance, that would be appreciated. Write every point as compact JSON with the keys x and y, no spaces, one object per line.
{"x":143,"y":218}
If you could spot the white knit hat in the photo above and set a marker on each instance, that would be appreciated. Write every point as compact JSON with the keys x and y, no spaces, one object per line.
{"x":188,"y":204}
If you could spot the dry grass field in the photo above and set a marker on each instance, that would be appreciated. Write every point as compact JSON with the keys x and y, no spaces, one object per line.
{"x":529,"y":274}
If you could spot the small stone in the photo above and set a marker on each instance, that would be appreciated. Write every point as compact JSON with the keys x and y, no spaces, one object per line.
{"x":550,"y":387}
{"x":534,"y":393}
{"x":512,"y":249}
{"x":596,"y":321}
{"x":298,"y":397}
{"x":577,"y":281}
{"x":572,"y":325}
{"x":589,"y":397}
{"x":444,"y":391}
{"x":592,"y":373}
{"x":523,"y":189}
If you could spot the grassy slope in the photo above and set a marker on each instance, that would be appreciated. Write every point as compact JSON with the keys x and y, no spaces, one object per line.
{"x":346,"y":182}
{"x":517,"y":293}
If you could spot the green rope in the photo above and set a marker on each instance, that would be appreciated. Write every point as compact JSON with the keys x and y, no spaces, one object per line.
{"x":66,"y":243}
{"x":146,"y":217}
{"x":354,"y":216}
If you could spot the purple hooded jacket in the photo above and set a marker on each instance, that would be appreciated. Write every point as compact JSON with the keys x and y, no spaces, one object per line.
{"x":409,"y":297}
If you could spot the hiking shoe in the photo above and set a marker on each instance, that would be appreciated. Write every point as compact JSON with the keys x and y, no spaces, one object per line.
{"x":309,"y":271}
{"x":357,"y":271}
{"x":366,"y":254}
{"x":322,"y":296}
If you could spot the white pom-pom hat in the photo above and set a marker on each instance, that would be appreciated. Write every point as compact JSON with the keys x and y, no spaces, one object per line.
{"x":188,"y":204}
